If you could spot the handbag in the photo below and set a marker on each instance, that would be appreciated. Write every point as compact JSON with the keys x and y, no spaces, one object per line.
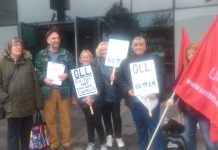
{"x":38,"y":134}
{"x":2,"y":110}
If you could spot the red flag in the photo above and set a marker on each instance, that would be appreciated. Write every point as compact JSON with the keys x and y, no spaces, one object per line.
{"x":184,"y":44}
{"x":198,"y":85}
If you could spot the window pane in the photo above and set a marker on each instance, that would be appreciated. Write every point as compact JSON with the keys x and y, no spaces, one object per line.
{"x":8,"y":12}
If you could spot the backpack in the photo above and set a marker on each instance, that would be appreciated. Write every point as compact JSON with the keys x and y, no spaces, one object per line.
{"x":173,"y":138}
{"x":175,"y":142}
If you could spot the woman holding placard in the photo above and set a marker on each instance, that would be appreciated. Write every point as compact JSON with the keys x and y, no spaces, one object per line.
{"x":92,"y":105}
{"x":145,"y":108}
{"x":112,"y":97}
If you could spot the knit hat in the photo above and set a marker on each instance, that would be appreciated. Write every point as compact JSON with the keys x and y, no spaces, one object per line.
{"x":52,"y":30}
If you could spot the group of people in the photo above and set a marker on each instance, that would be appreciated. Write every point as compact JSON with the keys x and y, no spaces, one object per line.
{"x":24,"y":88}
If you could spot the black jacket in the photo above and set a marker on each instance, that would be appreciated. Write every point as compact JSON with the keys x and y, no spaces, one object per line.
{"x":124,"y":79}
{"x":98,"y":98}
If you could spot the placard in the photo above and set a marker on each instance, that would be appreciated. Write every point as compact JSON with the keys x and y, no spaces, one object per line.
{"x":144,"y":79}
{"x":84,"y":81}
{"x":117,"y":51}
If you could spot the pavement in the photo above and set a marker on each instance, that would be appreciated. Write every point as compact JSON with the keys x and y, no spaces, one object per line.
{"x":80,"y":135}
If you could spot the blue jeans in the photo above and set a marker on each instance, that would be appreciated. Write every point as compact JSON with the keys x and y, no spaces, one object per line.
{"x":190,"y":121}
{"x":146,"y":125}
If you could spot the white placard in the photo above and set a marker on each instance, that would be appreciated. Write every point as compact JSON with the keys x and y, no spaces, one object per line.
{"x":84,"y":81}
{"x":53,"y":71}
{"x":144,"y":79}
{"x":117,"y":51}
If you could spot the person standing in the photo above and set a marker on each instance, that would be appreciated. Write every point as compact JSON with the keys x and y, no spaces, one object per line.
{"x":19,"y":93}
{"x":191,"y":117}
{"x":93,"y":119}
{"x":145,"y":124}
{"x":112,"y":96}
{"x":57,"y":98}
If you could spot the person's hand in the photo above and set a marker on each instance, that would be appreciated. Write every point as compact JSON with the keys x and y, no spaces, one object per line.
{"x":89,"y":100}
{"x":48,"y":81}
{"x":169,"y":102}
{"x":112,"y":77}
{"x":150,"y":96}
{"x":131,"y":93}
{"x":63,"y":76}
{"x":73,"y":100}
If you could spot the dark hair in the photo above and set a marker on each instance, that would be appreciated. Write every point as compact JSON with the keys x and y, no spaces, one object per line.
{"x":52,"y":30}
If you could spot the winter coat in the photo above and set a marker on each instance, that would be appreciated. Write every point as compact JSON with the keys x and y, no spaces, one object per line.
{"x":124,"y":79}
{"x":112,"y":93}
{"x":41,"y":61}
{"x":22,"y":96}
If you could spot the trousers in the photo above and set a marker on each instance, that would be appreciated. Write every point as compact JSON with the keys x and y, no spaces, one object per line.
{"x":57,"y":109}
{"x":18,"y":131}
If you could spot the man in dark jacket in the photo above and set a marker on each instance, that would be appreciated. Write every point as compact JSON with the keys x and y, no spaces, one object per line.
{"x":145,"y":124}
{"x":57,"y":98}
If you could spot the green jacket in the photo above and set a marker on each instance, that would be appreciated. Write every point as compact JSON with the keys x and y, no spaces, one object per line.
{"x":22,"y":96}
{"x":41,"y":62}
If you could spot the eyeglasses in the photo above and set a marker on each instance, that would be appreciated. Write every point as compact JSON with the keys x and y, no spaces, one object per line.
{"x":17,"y":44}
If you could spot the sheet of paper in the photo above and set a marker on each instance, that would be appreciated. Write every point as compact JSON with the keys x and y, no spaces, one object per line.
{"x":53,"y":71}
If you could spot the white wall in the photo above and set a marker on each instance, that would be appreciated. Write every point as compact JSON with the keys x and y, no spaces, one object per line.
{"x":191,"y":3}
{"x":34,"y":10}
{"x":6,"y":33}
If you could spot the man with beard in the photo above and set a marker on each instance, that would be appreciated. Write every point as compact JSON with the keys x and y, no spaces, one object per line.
{"x":57,"y":98}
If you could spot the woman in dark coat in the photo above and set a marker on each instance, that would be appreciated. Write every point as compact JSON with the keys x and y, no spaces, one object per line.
{"x":92,"y":105}
{"x":19,"y":93}
{"x":145,"y":124}
{"x":112,"y":97}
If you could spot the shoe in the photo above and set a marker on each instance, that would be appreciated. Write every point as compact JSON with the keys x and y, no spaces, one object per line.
{"x":109,"y":141}
{"x":103,"y":147}
{"x":198,"y":126}
{"x":90,"y":146}
{"x":120,"y":142}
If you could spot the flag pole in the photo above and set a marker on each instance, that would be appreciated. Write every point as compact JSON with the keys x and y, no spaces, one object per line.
{"x":91,"y":110}
{"x":161,"y":119}
{"x":113,"y":72}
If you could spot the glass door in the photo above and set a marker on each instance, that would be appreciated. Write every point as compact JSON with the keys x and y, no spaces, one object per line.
{"x":87,"y":35}
{"x":28,"y":33}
